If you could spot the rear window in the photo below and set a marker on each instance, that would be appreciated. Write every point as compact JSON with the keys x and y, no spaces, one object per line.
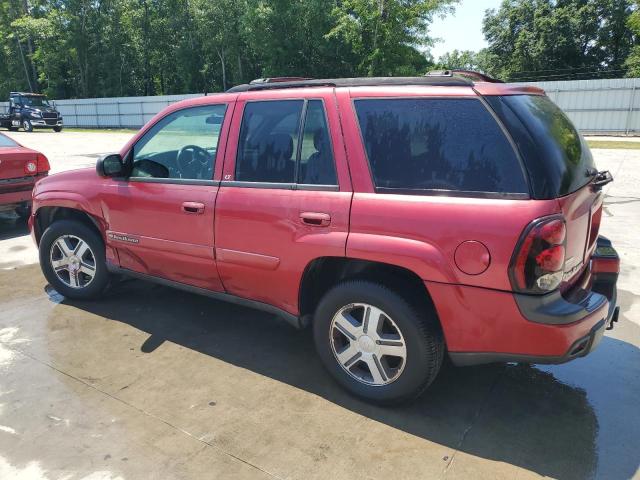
{"x":438,"y":144}
{"x":7,"y":142}
{"x":562,"y":149}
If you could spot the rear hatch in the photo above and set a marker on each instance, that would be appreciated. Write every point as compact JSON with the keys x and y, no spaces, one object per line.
{"x":560,"y":166}
{"x":14,"y":160}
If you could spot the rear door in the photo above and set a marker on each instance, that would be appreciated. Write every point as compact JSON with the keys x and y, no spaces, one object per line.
{"x":285,"y":197}
{"x":161,"y":218}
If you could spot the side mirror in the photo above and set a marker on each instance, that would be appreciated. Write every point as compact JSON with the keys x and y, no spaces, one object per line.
{"x":110,"y":165}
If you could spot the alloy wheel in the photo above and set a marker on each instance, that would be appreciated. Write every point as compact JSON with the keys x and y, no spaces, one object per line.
{"x":73,"y":261}
{"x":368,"y":344}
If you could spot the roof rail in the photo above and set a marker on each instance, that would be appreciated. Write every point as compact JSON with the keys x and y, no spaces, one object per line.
{"x":471,"y":74}
{"x":449,"y":81}
{"x":260,"y":81}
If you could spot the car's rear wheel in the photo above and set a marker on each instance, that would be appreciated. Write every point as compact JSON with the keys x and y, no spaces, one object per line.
{"x":27,"y":126}
{"x":72,"y":258}
{"x":378,"y":344}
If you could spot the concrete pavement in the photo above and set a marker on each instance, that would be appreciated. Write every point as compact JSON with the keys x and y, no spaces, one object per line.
{"x":155,"y":383}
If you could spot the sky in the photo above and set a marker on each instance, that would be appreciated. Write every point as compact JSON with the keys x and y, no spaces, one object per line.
{"x":463,"y":29}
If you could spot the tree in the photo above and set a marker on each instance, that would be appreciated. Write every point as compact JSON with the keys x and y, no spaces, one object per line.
{"x":384,"y":34}
{"x":558,"y":39}
{"x":633,"y":60}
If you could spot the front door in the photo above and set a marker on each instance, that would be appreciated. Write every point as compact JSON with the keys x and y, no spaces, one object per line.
{"x":161,"y":218}
{"x":285,"y":197}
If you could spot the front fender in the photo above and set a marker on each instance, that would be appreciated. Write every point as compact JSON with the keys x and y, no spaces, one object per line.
{"x":422,"y":258}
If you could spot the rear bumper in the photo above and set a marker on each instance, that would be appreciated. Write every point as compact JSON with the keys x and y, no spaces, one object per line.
{"x":16,"y":191}
{"x":485,"y":326}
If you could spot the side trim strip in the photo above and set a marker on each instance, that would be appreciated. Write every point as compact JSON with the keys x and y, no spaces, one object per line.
{"x":248,"y":259}
{"x":293,"y":320}
{"x":175,"y":181}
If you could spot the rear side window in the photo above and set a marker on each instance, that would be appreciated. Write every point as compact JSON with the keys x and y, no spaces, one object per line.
{"x":438,"y":144}
{"x":275,"y":146}
{"x":7,"y":142}
{"x":561,"y":149}
{"x":269,"y":141}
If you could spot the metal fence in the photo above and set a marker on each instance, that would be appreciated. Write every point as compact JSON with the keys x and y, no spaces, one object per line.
{"x":595,"y":106}
{"x":599,"y":106}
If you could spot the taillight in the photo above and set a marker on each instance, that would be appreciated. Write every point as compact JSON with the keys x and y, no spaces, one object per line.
{"x":538,"y":262}
{"x":31,"y":167}
{"x":43,"y":164}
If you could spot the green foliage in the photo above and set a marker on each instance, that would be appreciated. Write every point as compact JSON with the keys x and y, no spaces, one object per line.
{"x":633,"y":61}
{"x":558,"y":39}
{"x":96,"y":48}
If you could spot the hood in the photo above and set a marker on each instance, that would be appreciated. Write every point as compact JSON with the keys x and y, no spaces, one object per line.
{"x":40,"y":109}
{"x":69,"y":181}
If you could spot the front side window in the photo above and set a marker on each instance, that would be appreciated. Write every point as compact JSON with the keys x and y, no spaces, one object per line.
{"x":437,"y":144}
{"x":276,"y":147}
{"x":182,"y":145}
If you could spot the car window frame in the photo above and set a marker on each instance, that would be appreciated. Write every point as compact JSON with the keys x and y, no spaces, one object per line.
{"x":301,"y":124}
{"x":443,"y":192}
{"x":219,"y":156}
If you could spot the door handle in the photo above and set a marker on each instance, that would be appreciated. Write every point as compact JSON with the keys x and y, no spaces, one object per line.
{"x":194,"y":208}
{"x":315,"y":219}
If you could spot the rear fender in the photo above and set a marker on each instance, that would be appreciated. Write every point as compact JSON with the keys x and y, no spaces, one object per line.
{"x":422,"y":258}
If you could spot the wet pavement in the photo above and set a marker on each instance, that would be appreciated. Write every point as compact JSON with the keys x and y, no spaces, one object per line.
{"x":152,"y":383}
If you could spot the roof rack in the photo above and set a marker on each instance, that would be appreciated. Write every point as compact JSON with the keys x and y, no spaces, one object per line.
{"x":450,"y":81}
{"x":28,"y":94}
{"x":471,"y":74}
{"x":261,"y":81}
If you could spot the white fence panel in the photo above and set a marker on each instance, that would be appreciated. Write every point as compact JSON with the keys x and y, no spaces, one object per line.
{"x":595,"y":106}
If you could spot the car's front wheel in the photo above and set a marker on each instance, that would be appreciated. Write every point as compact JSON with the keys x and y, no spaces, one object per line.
{"x":72,"y":258}
{"x":57,"y":129}
{"x":27,"y":126}
{"x":378,"y":344}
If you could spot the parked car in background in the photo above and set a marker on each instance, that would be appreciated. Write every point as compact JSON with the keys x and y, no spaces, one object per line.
{"x":20,"y":168}
{"x":404,"y":219}
{"x":29,"y":111}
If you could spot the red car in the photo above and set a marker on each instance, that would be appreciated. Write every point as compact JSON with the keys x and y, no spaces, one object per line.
{"x":20,"y":168}
{"x":403,"y":219}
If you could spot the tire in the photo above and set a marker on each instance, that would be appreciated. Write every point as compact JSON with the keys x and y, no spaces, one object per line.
{"x":23,"y":211}
{"x":417,"y":329}
{"x":71,"y":233}
{"x":57,"y":129}
{"x":26,"y":126}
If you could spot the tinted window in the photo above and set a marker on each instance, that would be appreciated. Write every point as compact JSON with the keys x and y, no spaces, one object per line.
{"x":268,"y":141}
{"x":441,"y":144}
{"x":316,"y":156}
{"x":7,"y":142}
{"x":561,"y":148}
{"x":181,"y":145}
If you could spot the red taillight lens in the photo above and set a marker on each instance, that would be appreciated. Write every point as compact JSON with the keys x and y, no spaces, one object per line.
{"x":43,"y":164}
{"x":538,"y":263}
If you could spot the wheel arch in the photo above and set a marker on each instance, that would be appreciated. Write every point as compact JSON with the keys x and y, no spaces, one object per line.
{"x":46,"y":215}
{"x":324,"y":272}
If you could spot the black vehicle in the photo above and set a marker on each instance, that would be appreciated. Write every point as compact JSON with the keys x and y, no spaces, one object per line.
{"x":29,"y":111}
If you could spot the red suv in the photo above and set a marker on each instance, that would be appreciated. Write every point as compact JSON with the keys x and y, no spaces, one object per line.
{"x":402,"y":218}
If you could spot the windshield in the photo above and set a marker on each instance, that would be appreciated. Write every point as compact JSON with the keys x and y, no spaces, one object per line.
{"x":562,"y":149}
{"x":35,"y":101}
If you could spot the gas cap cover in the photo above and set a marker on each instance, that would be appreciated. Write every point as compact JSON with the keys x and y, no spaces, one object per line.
{"x":472,"y":257}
